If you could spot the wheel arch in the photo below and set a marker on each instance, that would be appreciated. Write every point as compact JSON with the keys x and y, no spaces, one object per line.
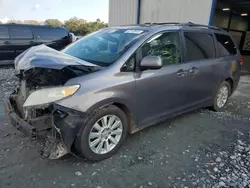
{"x":123,"y":105}
{"x":103,"y":104}
{"x":231,"y":83}
{"x":129,"y":115}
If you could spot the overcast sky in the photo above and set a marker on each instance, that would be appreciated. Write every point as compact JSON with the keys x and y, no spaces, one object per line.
{"x":61,"y":9}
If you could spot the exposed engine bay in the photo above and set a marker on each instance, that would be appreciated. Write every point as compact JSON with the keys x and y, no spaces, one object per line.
{"x":38,"y":78}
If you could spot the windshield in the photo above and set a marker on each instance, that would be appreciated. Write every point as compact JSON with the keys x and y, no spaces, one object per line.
{"x":105,"y":46}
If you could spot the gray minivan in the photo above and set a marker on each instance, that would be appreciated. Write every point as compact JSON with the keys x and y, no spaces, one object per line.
{"x":119,"y":80}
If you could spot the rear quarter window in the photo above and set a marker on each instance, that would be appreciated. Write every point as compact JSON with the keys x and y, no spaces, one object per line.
{"x":199,"y":46}
{"x":4,"y":32}
{"x":50,"y":33}
{"x":20,"y":32}
{"x":226,"y":45}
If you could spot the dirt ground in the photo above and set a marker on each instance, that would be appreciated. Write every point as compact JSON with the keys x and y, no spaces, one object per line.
{"x":192,"y":150}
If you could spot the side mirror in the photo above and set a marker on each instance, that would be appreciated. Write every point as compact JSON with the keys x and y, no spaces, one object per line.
{"x":151,"y":62}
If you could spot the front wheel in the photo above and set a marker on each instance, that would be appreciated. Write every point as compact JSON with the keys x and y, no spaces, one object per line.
{"x":103,"y":133}
{"x":221,"y":97}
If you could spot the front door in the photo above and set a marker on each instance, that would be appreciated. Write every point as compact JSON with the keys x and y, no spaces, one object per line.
{"x":162,"y":92}
{"x":6,"y":45}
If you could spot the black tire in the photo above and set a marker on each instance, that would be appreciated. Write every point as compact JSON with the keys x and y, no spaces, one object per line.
{"x":82,"y":142}
{"x":215,"y":106}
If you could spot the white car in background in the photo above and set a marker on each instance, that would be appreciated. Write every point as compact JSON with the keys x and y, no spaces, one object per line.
{"x":73,"y":37}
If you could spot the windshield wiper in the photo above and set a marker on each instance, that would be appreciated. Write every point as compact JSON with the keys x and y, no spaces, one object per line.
{"x":99,"y":63}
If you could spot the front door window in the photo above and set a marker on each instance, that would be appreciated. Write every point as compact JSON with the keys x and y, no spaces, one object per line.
{"x":166,"y":45}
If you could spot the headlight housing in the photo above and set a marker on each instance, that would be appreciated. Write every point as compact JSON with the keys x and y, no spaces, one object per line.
{"x":49,"y":95}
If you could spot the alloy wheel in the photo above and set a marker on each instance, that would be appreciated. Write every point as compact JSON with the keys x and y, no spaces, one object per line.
{"x":105,"y":134}
{"x":222,"y":96}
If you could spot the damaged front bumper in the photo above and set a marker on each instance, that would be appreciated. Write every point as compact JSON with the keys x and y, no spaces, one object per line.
{"x":21,"y":125}
{"x":59,"y":128}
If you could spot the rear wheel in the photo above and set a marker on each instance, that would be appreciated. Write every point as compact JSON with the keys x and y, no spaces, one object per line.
{"x":221,"y":97}
{"x":103,"y":133}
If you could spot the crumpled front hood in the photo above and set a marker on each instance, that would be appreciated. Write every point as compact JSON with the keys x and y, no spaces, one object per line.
{"x":45,"y":57}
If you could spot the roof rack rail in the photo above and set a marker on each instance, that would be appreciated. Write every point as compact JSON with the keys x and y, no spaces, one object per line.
{"x":162,"y":23}
{"x":199,"y":25}
{"x":190,"y":24}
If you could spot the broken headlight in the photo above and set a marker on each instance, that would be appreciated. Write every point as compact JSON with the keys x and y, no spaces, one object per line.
{"x":49,"y":95}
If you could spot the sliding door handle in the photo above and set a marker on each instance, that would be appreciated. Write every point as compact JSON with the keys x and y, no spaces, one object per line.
{"x":7,"y":42}
{"x":193,"y":71}
{"x":181,"y":73}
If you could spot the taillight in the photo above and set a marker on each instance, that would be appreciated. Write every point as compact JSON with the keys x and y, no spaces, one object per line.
{"x":241,"y":61}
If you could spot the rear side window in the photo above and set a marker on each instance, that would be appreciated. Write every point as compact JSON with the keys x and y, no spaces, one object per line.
{"x":20,"y":32}
{"x":50,"y":33}
{"x":61,"y":33}
{"x":226,"y":45}
{"x":4,"y":32}
{"x":199,"y":46}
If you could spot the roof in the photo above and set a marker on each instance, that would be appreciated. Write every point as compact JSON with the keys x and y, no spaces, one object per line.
{"x":29,"y":25}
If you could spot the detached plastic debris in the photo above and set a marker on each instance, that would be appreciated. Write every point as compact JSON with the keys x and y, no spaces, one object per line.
{"x":54,"y":148}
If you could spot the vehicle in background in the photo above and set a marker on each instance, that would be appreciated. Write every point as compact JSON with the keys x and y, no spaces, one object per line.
{"x":16,"y":38}
{"x":73,"y":37}
{"x":78,"y":37}
{"x":120,"y":80}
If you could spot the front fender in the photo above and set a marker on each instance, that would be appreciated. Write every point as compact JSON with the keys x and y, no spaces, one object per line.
{"x":67,"y":123}
{"x":70,"y":126}
{"x":90,"y":101}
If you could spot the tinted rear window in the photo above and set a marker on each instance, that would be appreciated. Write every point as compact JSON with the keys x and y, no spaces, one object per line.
{"x":20,"y":32}
{"x":226,"y":45}
{"x":50,"y":33}
{"x":199,"y":46}
{"x":4,"y":33}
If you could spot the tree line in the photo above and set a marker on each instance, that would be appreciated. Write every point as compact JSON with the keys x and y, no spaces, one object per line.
{"x":75,"y":25}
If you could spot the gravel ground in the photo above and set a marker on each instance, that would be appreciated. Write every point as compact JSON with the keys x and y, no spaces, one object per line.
{"x":225,"y":168}
{"x":198,"y":149}
{"x":7,"y":82}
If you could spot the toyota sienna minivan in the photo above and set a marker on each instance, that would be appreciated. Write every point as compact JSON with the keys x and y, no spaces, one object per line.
{"x":119,"y":80}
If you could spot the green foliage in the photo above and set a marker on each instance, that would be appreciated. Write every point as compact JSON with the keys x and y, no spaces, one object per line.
{"x":82,"y":27}
{"x":54,"y":22}
{"x":75,"y":25}
{"x":31,"y":22}
{"x":15,"y":21}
